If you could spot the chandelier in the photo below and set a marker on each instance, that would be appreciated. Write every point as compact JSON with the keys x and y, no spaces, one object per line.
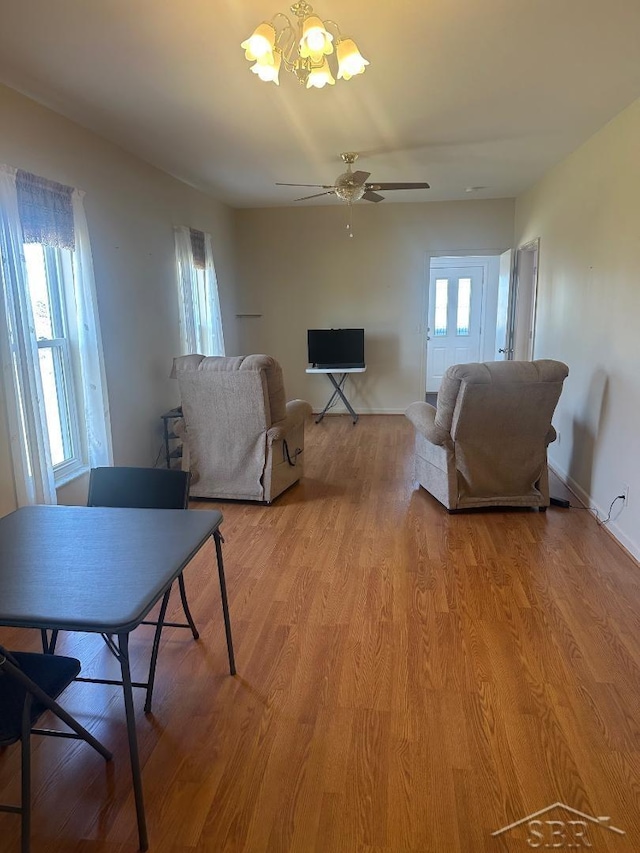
{"x":302,"y":47}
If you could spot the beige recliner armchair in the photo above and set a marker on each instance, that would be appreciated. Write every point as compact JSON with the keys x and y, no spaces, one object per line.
{"x":241,"y":439}
{"x":486,"y":442}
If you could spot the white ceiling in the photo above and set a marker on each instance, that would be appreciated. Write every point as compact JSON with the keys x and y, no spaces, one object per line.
{"x":459,"y":93}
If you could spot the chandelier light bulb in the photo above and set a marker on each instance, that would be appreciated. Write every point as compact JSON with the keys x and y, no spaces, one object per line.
{"x":268,"y":71}
{"x":316,"y":41}
{"x":319,"y":77}
{"x":350,"y":60}
{"x":260,"y":43}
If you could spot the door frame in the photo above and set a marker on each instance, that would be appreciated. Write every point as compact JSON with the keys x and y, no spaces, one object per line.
{"x":527,"y":265}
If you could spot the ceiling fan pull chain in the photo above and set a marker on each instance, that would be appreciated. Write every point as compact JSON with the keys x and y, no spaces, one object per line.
{"x":350,"y":219}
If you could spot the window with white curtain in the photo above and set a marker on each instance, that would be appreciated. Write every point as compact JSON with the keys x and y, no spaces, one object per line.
{"x":200,"y":315}
{"x":51,"y":353}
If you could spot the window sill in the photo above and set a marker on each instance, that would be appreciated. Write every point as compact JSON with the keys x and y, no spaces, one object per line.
{"x":70,"y":474}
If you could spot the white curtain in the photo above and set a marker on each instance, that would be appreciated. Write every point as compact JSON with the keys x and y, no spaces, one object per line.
{"x":215,"y":338}
{"x":95,"y":403}
{"x":200,"y":315}
{"x":187,"y":287}
{"x":31,"y":456}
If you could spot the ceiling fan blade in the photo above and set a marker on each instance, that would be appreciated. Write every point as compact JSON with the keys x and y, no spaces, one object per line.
{"x":360,"y":177}
{"x":371,"y":196}
{"x":316,"y":195}
{"x":320,"y":186}
{"x":404,"y":186}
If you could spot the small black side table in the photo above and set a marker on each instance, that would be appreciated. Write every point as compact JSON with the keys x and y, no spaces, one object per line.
{"x":170,"y":436}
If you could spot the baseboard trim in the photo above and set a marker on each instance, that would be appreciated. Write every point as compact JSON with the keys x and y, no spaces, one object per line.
{"x":361,"y":413}
{"x":631,"y":549}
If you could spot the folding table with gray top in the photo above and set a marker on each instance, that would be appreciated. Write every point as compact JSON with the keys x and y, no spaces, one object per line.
{"x":101,"y":570}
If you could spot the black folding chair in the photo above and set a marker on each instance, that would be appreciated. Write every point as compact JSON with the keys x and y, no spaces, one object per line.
{"x":29,"y":686}
{"x":141,"y":488}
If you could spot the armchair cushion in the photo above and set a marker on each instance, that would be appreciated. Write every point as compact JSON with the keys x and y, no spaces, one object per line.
{"x":297,"y":411}
{"x":423,"y":417}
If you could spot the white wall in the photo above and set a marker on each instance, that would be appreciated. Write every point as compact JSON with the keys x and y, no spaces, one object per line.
{"x":586,"y":212}
{"x":131,"y":208}
{"x":300,"y":270}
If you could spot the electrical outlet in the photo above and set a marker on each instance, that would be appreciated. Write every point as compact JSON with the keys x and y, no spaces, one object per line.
{"x":557,"y":436}
{"x":625,"y":492}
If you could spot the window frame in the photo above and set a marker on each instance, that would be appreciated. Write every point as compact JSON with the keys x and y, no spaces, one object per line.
{"x":58,"y":269}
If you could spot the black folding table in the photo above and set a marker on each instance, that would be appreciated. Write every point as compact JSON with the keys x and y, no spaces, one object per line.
{"x":101,"y":570}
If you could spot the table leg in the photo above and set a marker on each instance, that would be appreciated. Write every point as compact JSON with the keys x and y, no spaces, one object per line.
{"x":154,"y":650}
{"x":329,"y":404}
{"x":123,"y":657}
{"x":339,"y":385}
{"x":225,"y":605}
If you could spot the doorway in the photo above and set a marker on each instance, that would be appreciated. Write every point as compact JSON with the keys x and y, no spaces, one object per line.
{"x":526,"y":292}
{"x":461,"y":291}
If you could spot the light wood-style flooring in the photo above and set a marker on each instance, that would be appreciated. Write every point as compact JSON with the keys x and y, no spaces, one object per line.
{"x":408,"y":680}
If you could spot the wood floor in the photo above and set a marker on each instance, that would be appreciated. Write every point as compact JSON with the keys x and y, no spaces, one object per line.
{"x":408,"y":680}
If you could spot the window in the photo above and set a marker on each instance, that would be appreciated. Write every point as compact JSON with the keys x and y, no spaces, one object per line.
{"x":464,"y":306}
{"x":200,"y":315}
{"x":50,"y":345}
{"x":48,"y":269}
{"x":441,"y":307}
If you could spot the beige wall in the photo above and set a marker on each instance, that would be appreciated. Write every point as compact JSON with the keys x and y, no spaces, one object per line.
{"x":586,"y":212}
{"x":131,"y":208}
{"x":300,"y":270}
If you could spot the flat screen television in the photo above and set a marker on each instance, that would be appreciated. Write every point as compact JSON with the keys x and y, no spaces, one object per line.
{"x":339,"y":348}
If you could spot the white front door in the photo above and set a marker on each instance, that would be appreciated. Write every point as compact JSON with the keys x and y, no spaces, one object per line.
{"x":455,"y":308}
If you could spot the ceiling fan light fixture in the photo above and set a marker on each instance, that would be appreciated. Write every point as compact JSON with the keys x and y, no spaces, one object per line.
{"x":302,"y":44}
{"x":268,"y":71}
{"x":350,"y":60}
{"x":319,"y":77}
{"x":260,"y":44}
{"x":352,"y":186}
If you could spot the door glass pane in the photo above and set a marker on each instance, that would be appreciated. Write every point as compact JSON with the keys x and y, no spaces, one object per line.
{"x":441,"y":302}
{"x":56,"y":403}
{"x":464,"y":306}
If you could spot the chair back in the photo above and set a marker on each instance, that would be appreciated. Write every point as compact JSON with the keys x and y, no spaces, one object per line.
{"x":499,"y":417}
{"x":228,"y":405}
{"x":139,"y":488}
{"x":23,"y":675}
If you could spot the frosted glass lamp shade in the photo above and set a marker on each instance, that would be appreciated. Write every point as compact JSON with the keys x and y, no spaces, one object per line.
{"x":268,"y":71}
{"x":350,"y":60}
{"x":319,"y":77}
{"x":260,"y":44}
{"x":316,"y":41}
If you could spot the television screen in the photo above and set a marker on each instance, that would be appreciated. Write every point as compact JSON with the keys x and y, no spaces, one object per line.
{"x":336,"y":347}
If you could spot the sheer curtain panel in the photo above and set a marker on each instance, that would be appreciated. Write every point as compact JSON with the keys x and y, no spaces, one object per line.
{"x":93,"y":382}
{"x":200,"y":315}
{"x":31,"y":457}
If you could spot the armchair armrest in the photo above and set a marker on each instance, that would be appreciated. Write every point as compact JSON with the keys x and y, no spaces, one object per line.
{"x":297,"y":412}
{"x":422,"y":416}
{"x":551,"y":435}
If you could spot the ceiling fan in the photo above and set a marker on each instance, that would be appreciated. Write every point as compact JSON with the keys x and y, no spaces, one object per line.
{"x":351,"y":186}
